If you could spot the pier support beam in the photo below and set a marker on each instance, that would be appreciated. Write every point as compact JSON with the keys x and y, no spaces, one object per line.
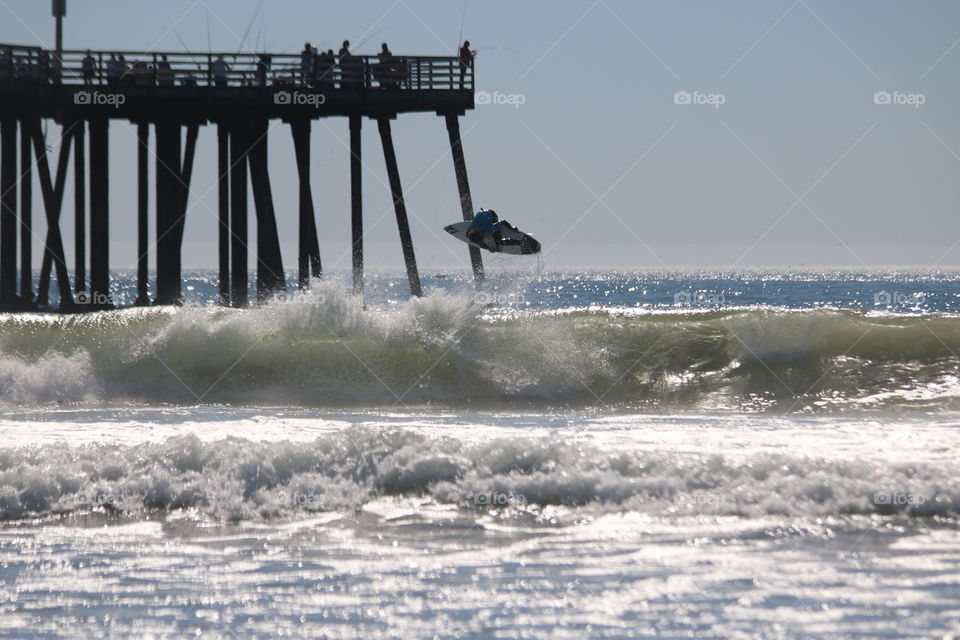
{"x":8,"y":214}
{"x":406,"y":241}
{"x":79,"y":206}
{"x":238,"y":216}
{"x":143,"y":214}
{"x":173,"y":191}
{"x":270,"y":276}
{"x":168,"y":204}
{"x":26,"y":219}
{"x":52,"y":192}
{"x":308,"y":259}
{"x":463,"y":186}
{"x":356,"y":202}
{"x":186,"y":173}
{"x":99,"y":215}
{"x":223,"y":205}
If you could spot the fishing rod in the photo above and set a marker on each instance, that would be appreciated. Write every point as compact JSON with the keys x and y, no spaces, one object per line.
{"x":463,"y":19}
{"x":495,"y":49}
{"x":246,"y":33}
{"x":368,"y":38}
{"x":187,"y":49}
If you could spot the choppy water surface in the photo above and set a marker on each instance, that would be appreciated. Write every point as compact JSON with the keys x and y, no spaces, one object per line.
{"x":560,"y":455}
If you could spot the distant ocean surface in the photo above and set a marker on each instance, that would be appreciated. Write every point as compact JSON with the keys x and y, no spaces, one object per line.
{"x":558,"y":455}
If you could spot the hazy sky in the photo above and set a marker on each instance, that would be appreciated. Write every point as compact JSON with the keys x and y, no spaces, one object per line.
{"x":798,"y":165}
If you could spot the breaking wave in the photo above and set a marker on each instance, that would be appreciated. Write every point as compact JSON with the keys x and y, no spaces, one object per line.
{"x":237,"y":479}
{"x":325,"y":350}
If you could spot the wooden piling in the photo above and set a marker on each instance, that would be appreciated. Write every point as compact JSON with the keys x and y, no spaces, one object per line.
{"x":463,"y":187}
{"x":403,"y":225}
{"x":26,"y":218}
{"x":308,"y":257}
{"x":270,"y":276}
{"x":356,"y":202}
{"x":223,"y":213}
{"x":168,"y":205}
{"x":99,"y":215}
{"x":238,"y":216}
{"x":143,"y":218}
{"x":79,"y":206}
{"x":8,"y":214}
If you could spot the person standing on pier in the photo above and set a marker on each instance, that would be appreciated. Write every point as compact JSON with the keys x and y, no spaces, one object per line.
{"x":113,"y":71}
{"x":466,"y":60}
{"x":263,"y":67}
{"x":324,"y":70}
{"x":124,"y":70}
{"x":88,"y":67}
{"x":351,"y":72}
{"x":306,"y":63}
{"x":164,"y":72}
{"x":6,"y":65}
{"x":219,"y":69}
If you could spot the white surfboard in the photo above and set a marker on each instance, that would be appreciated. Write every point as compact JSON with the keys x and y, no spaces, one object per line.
{"x":515,"y":243}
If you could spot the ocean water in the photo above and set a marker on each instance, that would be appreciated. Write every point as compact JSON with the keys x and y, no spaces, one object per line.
{"x":749,"y":454}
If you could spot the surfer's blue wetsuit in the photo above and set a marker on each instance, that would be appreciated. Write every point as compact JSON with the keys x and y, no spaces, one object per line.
{"x":486,"y":224}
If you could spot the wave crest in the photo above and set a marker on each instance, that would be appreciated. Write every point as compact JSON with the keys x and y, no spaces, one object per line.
{"x":325,"y":349}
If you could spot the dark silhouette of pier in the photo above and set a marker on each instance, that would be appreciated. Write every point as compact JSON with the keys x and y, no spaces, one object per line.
{"x":175,"y":93}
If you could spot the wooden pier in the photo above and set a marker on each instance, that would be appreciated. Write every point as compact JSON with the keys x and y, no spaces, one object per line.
{"x":176,"y":93}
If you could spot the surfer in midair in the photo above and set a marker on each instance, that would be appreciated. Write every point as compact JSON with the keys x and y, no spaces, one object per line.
{"x":486,"y":228}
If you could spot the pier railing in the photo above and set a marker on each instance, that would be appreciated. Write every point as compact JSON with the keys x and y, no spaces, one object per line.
{"x":223,"y":69}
